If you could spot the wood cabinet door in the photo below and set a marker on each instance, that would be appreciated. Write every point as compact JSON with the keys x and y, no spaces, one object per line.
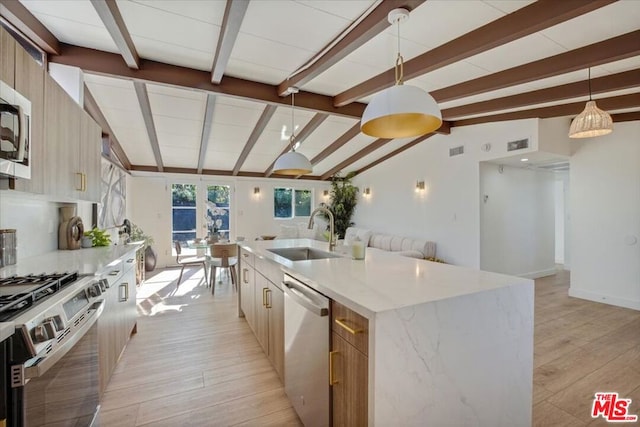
{"x":275,"y":304}
{"x":29,"y":81}
{"x":90,"y":142}
{"x":350,"y":386}
{"x":247,"y":297}
{"x":261,"y":329}
{"x":7,"y":57}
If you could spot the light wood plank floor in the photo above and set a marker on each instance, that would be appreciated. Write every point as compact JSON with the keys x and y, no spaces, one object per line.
{"x":195,"y":363}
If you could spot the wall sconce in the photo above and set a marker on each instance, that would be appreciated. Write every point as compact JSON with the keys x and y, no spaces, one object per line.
{"x":420,"y":186}
{"x":367,"y":192}
{"x":325,"y":193}
{"x":256,"y":191}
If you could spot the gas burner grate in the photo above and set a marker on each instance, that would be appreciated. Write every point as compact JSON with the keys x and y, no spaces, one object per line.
{"x":38,"y":287}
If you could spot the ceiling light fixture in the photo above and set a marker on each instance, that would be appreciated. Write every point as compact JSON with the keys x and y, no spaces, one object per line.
{"x":400,"y":111}
{"x":592,"y":121}
{"x":292,"y":163}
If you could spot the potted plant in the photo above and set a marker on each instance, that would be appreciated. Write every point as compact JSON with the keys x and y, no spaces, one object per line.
{"x":150,"y":255}
{"x":98,"y":237}
{"x":344,"y":197}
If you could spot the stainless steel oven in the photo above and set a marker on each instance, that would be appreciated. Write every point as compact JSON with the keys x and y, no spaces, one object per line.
{"x":15,"y":133}
{"x":52,"y":359}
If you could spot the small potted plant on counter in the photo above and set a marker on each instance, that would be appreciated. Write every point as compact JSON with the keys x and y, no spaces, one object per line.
{"x":98,"y":237}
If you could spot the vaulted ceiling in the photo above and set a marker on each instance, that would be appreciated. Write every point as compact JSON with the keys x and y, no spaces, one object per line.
{"x":199,"y":86}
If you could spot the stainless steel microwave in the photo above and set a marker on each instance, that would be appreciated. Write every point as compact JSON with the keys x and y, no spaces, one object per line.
{"x":15,"y":133}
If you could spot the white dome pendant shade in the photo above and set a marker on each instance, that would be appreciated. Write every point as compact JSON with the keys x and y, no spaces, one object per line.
{"x":592,"y":121}
{"x":400,"y":111}
{"x":292,"y":163}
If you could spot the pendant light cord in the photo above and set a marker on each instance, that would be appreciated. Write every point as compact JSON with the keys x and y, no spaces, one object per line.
{"x":399,"y":68}
{"x":589,"y":83}
{"x":293,"y":137}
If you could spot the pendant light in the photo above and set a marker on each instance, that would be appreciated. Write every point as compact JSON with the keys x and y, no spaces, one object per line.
{"x":400,"y":111}
{"x":592,"y":121}
{"x":292,"y":163}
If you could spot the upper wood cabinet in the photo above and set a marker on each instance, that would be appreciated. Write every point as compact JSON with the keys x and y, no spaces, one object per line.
{"x":7,"y":54}
{"x":72,"y":147}
{"x":29,"y":81}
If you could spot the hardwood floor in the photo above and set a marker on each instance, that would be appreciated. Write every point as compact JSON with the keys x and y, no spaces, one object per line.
{"x":195,"y":363}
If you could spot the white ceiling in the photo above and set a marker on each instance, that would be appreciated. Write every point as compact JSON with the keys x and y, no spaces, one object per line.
{"x":276,"y":38}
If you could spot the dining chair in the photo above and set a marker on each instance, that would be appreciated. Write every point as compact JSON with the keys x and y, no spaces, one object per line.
{"x":189,"y":261}
{"x":223,"y":255}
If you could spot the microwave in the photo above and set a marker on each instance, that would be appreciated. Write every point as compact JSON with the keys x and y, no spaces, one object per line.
{"x":15,"y":133}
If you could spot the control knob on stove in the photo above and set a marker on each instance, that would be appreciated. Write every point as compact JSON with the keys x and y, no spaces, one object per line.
{"x":94,"y":290}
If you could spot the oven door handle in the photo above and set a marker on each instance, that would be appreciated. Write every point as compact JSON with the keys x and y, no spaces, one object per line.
{"x":40,"y":368}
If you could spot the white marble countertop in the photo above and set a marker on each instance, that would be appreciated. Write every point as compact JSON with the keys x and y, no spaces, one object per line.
{"x":85,"y":261}
{"x":382,"y":281}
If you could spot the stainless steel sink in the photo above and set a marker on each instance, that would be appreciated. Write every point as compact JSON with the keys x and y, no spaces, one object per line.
{"x":302,"y":253}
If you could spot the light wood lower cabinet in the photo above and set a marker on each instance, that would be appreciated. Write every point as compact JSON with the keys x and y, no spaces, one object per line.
{"x":117,"y":322}
{"x":261,"y":329}
{"x":247,"y":285}
{"x":349,"y":375}
{"x":275,"y":309}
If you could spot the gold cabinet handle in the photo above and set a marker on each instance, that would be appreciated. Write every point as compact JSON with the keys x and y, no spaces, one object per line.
{"x":244,"y":274}
{"x":332,"y":380}
{"x":84,"y":182}
{"x":268,"y":305}
{"x":264,"y":296}
{"x":245,"y":255}
{"x":81,"y":181}
{"x":340,"y":322}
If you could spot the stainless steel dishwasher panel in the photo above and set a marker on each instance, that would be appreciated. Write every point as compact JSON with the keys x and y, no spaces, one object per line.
{"x":306,"y":347}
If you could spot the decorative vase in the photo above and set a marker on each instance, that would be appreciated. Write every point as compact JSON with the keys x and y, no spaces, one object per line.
{"x":87,"y":242}
{"x":150,"y":259}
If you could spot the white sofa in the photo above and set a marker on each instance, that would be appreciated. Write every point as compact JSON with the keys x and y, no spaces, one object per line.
{"x":415,"y":248}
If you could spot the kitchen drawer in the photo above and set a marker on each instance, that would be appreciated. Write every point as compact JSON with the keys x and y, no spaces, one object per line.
{"x":247,"y":257}
{"x":351,"y":326}
{"x":270,"y":270}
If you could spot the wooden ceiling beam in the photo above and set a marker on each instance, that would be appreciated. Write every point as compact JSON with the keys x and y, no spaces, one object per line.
{"x":571,"y":109}
{"x":394,"y":152}
{"x":613,"y":49}
{"x":19,"y":17}
{"x":91,"y":106}
{"x":372,"y":25}
{"x":335,"y":145}
{"x":147,"y":115}
{"x":260,"y":126}
{"x":523,"y":22}
{"x":360,"y":154}
{"x":613,"y":82}
{"x":216,"y":172}
{"x":302,"y":135}
{"x":110,"y":64}
{"x":233,"y":15}
{"x":206,"y":130}
{"x":112,"y":19}
{"x":626,"y":117}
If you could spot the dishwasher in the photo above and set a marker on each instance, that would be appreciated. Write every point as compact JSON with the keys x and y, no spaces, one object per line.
{"x":306,"y":352}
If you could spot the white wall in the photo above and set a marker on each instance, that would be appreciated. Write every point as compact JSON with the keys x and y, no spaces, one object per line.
{"x":448,"y":211}
{"x":36,"y":221}
{"x":558,"y":193}
{"x":605,"y":217}
{"x":149,"y":204}
{"x":517,"y":221}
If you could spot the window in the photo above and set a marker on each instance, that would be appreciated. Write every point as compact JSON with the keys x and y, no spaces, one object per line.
{"x":183,"y":202}
{"x":217,"y":215}
{"x":291,"y":203}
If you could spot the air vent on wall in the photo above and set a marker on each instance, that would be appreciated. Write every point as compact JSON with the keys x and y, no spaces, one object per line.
{"x":518,"y":145}
{"x":456,"y":151}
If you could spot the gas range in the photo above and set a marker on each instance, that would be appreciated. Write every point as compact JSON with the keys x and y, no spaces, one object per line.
{"x":43,"y":307}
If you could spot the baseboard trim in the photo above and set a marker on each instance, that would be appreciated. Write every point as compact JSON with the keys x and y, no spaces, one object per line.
{"x":606,"y":299}
{"x":539,"y":274}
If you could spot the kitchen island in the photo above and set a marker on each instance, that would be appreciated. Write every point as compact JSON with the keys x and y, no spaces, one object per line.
{"x":447,"y":345}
